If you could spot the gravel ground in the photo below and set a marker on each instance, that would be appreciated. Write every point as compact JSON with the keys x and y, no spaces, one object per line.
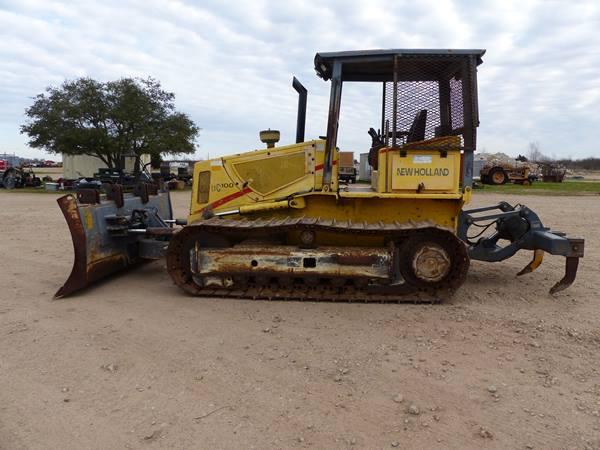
{"x":135,"y":363}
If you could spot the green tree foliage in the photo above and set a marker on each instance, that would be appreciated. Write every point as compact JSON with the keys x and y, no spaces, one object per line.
{"x":109,"y":120}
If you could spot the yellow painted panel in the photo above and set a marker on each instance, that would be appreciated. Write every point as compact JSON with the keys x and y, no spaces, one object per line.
{"x":203,"y":186}
{"x":230,"y":190}
{"x":265,"y":175}
{"x":393,"y":202}
{"x":427,"y":167}
{"x":89,"y":219}
{"x":401,"y":194}
{"x":441,"y":212}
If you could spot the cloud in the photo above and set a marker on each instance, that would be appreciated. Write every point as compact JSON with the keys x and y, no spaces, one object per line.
{"x":231,"y":67}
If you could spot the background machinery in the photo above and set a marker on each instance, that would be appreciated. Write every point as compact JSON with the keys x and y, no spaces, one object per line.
{"x":552,"y":173}
{"x":500,"y":172}
{"x":19,"y":177}
{"x":274,"y":223}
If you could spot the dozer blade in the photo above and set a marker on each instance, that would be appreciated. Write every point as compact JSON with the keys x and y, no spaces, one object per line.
{"x":538,"y":257}
{"x":101,"y":231}
{"x":570,"y":273}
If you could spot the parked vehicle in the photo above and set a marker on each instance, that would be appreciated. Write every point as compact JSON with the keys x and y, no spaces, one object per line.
{"x":347,"y":171}
{"x":15,"y":177}
{"x":496,"y":172}
{"x":552,"y":173}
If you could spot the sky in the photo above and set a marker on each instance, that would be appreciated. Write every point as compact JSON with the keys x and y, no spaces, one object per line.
{"x":230,"y":64}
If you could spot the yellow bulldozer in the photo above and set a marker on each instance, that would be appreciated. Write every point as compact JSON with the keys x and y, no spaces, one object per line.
{"x":274,"y":223}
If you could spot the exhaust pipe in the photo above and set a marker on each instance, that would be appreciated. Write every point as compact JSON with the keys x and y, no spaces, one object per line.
{"x":301,"y":118}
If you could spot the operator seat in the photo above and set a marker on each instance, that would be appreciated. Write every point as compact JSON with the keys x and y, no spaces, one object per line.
{"x":416,"y":133}
{"x":417,"y":129}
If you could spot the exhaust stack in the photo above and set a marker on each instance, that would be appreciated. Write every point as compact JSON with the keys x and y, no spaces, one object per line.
{"x":301,"y":118}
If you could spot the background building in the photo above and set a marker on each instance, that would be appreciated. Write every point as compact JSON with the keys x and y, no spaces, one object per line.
{"x":77,"y":166}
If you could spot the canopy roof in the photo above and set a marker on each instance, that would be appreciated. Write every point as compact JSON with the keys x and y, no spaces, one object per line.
{"x":378,"y":65}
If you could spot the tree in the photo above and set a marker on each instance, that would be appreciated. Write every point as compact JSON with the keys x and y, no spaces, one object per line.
{"x":155,"y":161}
{"x":535,"y":154}
{"x":111,"y":120}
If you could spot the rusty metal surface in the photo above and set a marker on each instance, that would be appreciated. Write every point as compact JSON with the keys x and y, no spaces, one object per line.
{"x":98,"y":251}
{"x":538,"y":257}
{"x":142,"y":191}
{"x":349,"y":293}
{"x":217,"y":233}
{"x":77,"y":279}
{"x":89,"y":196}
{"x":313,"y":223}
{"x":356,"y":257}
{"x":276,"y":260}
{"x":159,"y":231}
{"x":433,"y":259}
{"x":431,"y":263}
{"x":570,"y":274}
{"x":114,"y":192}
{"x":91,"y":261}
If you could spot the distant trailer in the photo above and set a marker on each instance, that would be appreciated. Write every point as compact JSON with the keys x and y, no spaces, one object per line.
{"x":364,"y":169}
{"x":478,"y":164}
{"x":85,"y":166}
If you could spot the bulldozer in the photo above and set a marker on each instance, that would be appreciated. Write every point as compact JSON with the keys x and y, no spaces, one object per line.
{"x":274,"y":223}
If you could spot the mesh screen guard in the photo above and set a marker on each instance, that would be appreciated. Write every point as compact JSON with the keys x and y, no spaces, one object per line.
{"x":427,"y":93}
{"x":430,"y":102}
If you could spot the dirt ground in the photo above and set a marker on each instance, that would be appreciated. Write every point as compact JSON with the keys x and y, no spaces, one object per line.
{"x":135,"y":363}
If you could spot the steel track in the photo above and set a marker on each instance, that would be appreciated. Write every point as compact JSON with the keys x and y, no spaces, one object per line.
{"x":218,"y":232}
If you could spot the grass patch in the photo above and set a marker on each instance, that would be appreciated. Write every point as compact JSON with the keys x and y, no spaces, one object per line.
{"x":567,"y":187}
